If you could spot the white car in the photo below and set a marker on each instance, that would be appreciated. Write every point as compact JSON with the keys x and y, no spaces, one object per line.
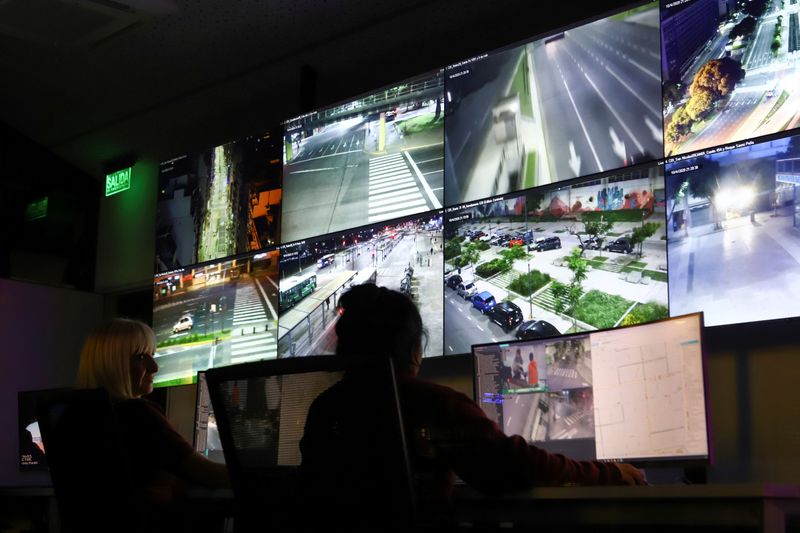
{"x":184,"y":324}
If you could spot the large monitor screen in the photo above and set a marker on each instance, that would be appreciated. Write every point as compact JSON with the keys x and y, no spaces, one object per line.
{"x":219,"y":202}
{"x":733,"y":239}
{"x":631,"y":394}
{"x":214,"y":315}
{"x":404,"y":255}
{"x":375,"y":158}
{"x":730,"y":71}
{"x":578,"y":102}
{"x":575,"y":256}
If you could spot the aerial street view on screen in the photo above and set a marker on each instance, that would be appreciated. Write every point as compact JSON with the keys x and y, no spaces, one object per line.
{"x":731,"y":71}
{"x":219,"y":202}
{"x":578,"y":102}
{"x":734,"y":243}
{"x":559,"y":259}
{"x":215,"y":315}
{"x":403,"y":255}
{"x":376,"y":158}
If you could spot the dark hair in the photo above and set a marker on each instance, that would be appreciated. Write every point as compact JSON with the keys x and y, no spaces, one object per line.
{"x":378,"y":322}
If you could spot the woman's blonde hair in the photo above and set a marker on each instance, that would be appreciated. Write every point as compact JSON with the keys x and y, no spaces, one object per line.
{"x":106,"y":355}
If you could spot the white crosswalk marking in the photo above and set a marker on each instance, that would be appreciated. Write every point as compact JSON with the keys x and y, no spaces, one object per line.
{"x":250,"y":316}
{"x":566,"y":373}
{"x":254,"y":347}
{"x":393,"y":189}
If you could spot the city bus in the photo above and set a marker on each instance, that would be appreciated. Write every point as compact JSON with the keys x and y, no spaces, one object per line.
{"x":325,"y":260}
{"x":295,"y":289}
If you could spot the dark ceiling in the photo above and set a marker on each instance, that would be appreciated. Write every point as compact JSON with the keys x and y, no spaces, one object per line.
{"x":94,"y":80}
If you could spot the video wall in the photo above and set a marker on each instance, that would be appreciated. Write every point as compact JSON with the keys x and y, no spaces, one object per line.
{"x":624,"y":170}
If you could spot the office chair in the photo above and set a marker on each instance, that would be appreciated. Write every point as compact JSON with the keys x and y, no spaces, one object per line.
{"x":88,"y":465}
{"x":362,"y":479}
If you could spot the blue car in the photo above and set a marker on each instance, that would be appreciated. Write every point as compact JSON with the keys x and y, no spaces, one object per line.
{"x":483,"y":301}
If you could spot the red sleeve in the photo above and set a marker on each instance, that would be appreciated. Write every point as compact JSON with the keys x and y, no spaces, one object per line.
{"x":487,"y":459}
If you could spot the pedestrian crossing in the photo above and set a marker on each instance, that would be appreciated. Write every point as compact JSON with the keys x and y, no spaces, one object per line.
{"x":253,"y":331}
{"x":393,"y":190}
{"x":254,"y":347}
{"x":248,"y":308}
{"x":565,"y":373}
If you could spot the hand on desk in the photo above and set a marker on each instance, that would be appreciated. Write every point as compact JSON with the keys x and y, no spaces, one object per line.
{"x":631,"y":475}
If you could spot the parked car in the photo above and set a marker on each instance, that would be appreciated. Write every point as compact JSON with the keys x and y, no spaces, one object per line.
{"x":506,"y":315}
{"x":547,"y":243}
{"x":592,"y":243}
{"x":515,"y":242}
{"x":184,"y":324}
{"x":453,"y":281}
{"x":536,"y":329}
{"x":483,"y":301}
{"x":620,"y":245}
{"x":467,"y":290}
{"x":503,"y":240}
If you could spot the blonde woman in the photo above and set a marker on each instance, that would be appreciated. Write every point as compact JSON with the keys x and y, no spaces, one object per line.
{"x":118,"y":357}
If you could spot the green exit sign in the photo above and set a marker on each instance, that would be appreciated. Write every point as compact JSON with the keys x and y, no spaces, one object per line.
{"x":118,"y":181}
{"x":36,"y":210}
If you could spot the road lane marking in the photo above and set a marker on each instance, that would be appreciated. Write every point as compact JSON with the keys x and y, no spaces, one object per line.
{"x":424,"y":182}
{"x":634,"y":93}
{"x":616,"y":115}
{"x":580,"y":120}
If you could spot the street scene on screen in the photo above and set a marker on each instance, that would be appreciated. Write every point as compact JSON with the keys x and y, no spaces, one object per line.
{"x":404,"y":256}
{"x":220,"y":202}
{"x":591,"y":255}
{"x":376,"y":158}
{"x":734,"y":243}
{"x":578,"y":102}
{"x":215,"y":315}
{"x":731,"y":71}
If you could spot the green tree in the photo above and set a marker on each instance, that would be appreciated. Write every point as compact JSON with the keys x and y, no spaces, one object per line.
{"x":679,"y":125}
{"x":566,"y":296}
{"x":718,"y":76}
{"x":597,"y":229}
{"x":640,"y":234}
{"x":700,"y":104}
{"x":470,"y":254}
{"x":452,"y":249}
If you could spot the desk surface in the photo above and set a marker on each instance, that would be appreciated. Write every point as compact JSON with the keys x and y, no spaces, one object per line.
{"x":754,"y":507}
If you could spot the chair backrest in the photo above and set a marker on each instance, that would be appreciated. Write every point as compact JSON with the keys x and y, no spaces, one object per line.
{"x":262,"y":411}
{"x":88,"y":464}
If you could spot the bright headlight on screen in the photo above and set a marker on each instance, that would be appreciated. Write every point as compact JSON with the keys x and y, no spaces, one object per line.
{"x":745,"y":196}
{"x":723,"y":199}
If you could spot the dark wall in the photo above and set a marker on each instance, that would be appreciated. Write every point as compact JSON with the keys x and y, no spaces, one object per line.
{"x":43,"y":329}
{"x":58,"y":249}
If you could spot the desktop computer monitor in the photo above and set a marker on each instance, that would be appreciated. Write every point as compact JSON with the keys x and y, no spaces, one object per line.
{"x":634,"y":394}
